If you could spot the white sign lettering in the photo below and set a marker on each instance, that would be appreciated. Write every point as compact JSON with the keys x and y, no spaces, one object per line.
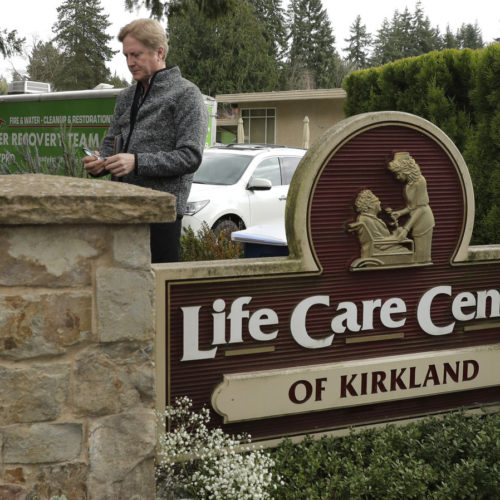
{"x":228,"y":322}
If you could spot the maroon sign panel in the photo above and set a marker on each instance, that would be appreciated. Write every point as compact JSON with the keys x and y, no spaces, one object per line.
{"x":390,"y":325}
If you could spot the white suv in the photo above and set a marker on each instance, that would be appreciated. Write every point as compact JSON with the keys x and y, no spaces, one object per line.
{"x":241,"y":185}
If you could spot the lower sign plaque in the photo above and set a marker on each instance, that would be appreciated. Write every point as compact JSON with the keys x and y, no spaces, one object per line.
{"x":273,"y":393}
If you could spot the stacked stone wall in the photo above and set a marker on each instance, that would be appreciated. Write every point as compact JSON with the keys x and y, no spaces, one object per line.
{"x":77,"y":391}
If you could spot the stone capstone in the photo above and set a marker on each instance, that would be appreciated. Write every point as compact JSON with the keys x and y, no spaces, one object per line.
{"x":56,"y":199}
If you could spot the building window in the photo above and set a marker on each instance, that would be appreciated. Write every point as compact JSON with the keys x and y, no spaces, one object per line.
{"x":259,"y":125}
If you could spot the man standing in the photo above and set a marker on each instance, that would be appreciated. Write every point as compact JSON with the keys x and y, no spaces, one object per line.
{"x":158,"y":130}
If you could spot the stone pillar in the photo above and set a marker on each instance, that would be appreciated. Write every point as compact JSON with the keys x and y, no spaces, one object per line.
{"x":77,"y":391}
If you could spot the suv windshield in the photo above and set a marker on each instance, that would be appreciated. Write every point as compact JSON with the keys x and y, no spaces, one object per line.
{"x":222,"y":169}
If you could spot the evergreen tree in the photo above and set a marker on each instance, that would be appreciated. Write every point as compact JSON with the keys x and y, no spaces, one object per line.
{"x":359,"y":43}
{"x":312,"y":52}
{"x":424,"y":36}
{"x":449,"y":39}
{"x":45,"y":62}
{"x":403,"y":34}
{"x":160,"y":8}
{"x":271,"y":17}
{"x":223,"y":55}
{"x":383,"y":48}
{"x":469,"y":37}
{"x":16,"y":76}
{"x":80,"y":34}
{"x":117,"y":82}
{"x":10,"y":44}
{"x":408,"y":35}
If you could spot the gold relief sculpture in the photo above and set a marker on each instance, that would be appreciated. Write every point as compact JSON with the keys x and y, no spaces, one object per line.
{"x":389,"y":244}
{"x":421,"y":219}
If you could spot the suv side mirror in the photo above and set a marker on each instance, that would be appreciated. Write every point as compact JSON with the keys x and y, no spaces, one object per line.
{"x":259,"y":184}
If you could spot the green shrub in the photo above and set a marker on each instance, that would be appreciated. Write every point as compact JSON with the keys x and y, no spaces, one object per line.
{"x":482,"y":152}
{"x":456,"y":456}
{"x":205,"y":245}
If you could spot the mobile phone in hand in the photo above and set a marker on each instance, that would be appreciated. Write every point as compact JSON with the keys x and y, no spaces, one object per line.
{"x":88,"y":152}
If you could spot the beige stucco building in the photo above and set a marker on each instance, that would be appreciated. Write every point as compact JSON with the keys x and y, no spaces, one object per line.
{"x":279,"y":117}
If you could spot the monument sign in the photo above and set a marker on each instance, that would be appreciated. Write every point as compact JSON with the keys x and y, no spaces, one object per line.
{"x":378,"y":313}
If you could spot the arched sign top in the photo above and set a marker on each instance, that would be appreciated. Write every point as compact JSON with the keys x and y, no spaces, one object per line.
{"x":354,"y":196}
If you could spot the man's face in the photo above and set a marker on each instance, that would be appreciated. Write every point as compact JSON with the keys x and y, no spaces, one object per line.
{"x":142,"y":61}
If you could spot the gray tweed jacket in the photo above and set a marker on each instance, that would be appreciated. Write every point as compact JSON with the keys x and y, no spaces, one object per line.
{"x":168,"y":135}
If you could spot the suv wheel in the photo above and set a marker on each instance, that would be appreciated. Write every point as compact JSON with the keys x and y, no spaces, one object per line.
{"x":227,"y":226}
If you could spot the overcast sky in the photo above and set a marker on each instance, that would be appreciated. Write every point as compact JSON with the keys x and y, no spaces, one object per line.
{"x":34,"y":19}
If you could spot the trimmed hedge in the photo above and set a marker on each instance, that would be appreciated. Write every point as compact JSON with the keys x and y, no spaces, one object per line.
{"x":457,"y":90}
{"x":457,"y":456}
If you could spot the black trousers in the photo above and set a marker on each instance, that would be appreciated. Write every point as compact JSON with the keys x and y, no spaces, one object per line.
{"x":165,"y":238}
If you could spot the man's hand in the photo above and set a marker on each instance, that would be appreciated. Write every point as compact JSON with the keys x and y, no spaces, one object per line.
{"x":92,"y":164}
{"x":120,"y":164}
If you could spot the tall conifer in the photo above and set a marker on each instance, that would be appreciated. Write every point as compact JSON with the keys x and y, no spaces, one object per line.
{"x":223,"y":55}
{"x":80,"y":34}
{"x":312,"y":53}
{"x":359,"y":44}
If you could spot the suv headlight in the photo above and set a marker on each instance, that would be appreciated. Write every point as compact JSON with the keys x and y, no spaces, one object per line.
{"x":194,"y":207}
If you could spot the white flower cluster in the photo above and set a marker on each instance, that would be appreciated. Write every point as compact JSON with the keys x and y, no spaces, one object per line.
{"x":207,"y":463}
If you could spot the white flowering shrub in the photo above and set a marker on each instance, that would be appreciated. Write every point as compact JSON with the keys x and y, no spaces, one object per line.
{"x":201,"y":463}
